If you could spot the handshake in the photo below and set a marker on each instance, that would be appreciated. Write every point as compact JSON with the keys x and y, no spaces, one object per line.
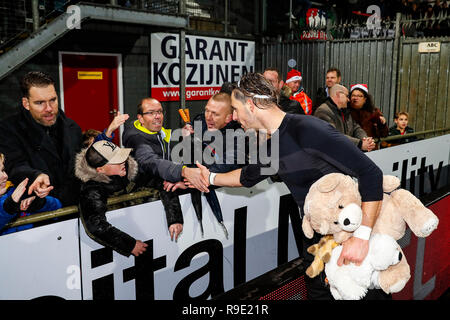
{"x":197,"y":178}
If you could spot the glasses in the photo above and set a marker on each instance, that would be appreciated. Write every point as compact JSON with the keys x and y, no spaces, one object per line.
{"x":343,"y":94}
{"x":357,"y":96}
{"x":154,"y":113}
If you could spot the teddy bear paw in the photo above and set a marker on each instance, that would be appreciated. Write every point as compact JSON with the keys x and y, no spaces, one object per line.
{"x":398,"y":286}
{"x":429,"y":226}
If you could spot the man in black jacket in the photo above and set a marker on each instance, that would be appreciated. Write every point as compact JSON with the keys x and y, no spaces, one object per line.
{"x":333,"y":77}
{"x":40,"y":142}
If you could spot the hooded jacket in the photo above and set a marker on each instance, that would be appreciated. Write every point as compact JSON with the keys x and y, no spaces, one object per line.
{"x":95,"y":190}
{"x":342,"y":120}
{"x":30,"y":150}
{"x":97,"y":187}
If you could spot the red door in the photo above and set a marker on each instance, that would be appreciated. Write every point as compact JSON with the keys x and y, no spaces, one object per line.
{"x":90,"y":90}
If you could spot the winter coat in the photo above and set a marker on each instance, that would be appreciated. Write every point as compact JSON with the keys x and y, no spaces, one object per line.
{"x":370,"y":122}
{"x":94,"y":193}
{"x":342,"y":120}
{"x":152,"y":151}
{"x":29,"y":151}
{"x":10,"y":210}
{"x":393,"y":131}
{"x":95,"y":190}
{"x":290,"y":106}
{"x":321,"y":97}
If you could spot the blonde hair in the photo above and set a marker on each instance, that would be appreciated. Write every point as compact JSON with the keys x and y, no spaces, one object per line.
{"x":398,"y":114}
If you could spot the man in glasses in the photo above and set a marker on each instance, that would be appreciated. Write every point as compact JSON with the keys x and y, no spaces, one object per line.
{"x":151,"y":146}
{"x":334,"y":111}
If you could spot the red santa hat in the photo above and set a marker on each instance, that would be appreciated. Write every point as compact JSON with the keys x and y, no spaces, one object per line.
{"x":293,"y":75}
{"x":359,"y":86}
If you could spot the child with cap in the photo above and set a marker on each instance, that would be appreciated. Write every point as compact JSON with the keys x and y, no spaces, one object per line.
{"x":14,"y":201}
{"x":105,"y":170}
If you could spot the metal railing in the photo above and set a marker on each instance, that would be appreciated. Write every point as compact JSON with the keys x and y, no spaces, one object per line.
{"x":413,"y":134}
{"x":70,"y":210}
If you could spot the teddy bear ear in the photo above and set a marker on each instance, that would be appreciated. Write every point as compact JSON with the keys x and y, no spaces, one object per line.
{"x":307,"y":228}
{"x":329,"y":182}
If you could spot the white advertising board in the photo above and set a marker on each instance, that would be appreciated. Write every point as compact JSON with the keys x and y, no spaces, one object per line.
{"x":43,"y":261}
{"x":172,"y":267}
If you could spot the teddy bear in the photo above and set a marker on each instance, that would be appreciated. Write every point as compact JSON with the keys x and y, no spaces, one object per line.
{"x":333,"y":206}
{"x":350,"y":282}
{"x":322,"y":254}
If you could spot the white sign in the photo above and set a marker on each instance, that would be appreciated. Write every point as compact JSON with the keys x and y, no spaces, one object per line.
{"x":209,"y":63}
{"x":41,"y":262}
{"x":426,"y":47}
{"x":193,"y":266}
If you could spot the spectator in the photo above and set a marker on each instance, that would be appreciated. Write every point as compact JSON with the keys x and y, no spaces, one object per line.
{"x":333,"y":77}
{"x":217,"y":120}
{"x":151,"y":144}
{"x":365,"y":113}
{"x":285,"y":103}
{"x":335,"y":112}
{"x":400,"y":128}
{"x":14,"y":202}
{"x":228,"y":87}
{"x":105,"y":169}
{"x":308,"y":150}
{"x":293,"y":81}
{"x":40,"y":143}
{"x":218,"y":116}
{"x":437,"y":8}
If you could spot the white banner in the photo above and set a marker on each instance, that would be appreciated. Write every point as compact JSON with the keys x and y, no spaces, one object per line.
{"x":172,"y":267}
{"x":41,"y":262}
{"x":209,"y":63}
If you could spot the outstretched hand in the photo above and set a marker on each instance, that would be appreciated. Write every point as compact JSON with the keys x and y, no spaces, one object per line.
{"x":172,"y":186}
{"x":118,"y":120}
{"x":41,"y":186}
{"x":18,"y":193}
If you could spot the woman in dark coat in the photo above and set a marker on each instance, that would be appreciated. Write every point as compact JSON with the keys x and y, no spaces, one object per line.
{"x":365,"y":113}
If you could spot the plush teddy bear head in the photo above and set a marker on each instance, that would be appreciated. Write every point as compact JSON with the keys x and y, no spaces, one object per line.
{"x":332,"y":205}
{"x":384,"y":251}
